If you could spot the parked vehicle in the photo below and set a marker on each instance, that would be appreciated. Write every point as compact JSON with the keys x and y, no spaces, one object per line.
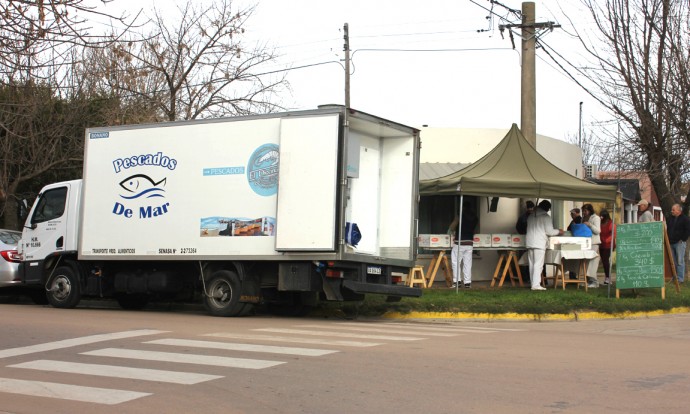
{"x":9,"y":258}
{"x":239,"y":211}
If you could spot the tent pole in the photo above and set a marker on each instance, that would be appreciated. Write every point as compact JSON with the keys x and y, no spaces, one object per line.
{"x":457,"y":256}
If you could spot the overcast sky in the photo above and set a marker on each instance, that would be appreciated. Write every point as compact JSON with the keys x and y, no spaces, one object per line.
{"x":418,"y":63}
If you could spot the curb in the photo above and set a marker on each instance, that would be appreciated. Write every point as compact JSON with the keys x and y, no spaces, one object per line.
{"x":573,"y":316}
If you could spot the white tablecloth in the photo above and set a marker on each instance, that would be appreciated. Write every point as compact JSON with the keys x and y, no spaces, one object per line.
{"x":555,"y":256}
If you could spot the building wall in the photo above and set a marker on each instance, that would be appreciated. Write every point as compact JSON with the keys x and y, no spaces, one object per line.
{"x":467,"y":145}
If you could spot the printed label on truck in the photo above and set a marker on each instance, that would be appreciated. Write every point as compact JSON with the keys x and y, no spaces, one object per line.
{"x":236,"y":227}
{"x":262,"y":170}
{"x":142,"y":195}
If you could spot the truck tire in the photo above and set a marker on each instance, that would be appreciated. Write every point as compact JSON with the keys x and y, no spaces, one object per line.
{"x":223,"y":294}
{"x":64,"y":289}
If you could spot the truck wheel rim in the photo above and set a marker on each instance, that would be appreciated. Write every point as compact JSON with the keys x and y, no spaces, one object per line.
{"x":221,"y":294}
{"x":61,"y":288}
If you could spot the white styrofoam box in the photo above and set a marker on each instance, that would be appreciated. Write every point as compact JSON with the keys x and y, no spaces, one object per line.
{"x":568,"y":246}
{"x":500,"y":240}
{"x":481,"y":240}
{"x":517,"y":240}
{"x":584,"y":242}
{"x":434,"y":240}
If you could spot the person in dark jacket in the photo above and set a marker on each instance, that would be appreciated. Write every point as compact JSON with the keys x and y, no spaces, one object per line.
{"x":678,"y":229}
{"x":521,"y":225}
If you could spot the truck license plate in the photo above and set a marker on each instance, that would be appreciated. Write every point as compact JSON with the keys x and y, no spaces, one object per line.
{"x":374,"y":270}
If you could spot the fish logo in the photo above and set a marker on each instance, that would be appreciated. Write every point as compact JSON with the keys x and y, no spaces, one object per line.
{"x":262,"y":170}
{"x":140,"y":185}
{"x":271,"y":157}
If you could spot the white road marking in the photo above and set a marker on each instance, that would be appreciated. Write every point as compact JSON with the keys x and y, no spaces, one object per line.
{"x":377,"y":329}
{"x":243,"y":347}
{"x":455,"y":328}
{"x":68,"y":343}
{"x":174,"y":377}
{"x":339,"y":334}
{"x":68,"y":392}
{"x":289,"y":339}
{"x":217,"y":361}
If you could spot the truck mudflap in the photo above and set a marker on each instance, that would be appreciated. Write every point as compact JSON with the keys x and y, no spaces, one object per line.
{"x":361,"y":287}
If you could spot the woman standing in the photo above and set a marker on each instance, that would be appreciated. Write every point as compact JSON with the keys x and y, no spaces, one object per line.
{"x":594,"y":223}
{"x":606,"y":243}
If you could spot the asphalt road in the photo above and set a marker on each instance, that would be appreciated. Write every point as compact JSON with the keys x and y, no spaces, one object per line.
{"x":113,"y":361}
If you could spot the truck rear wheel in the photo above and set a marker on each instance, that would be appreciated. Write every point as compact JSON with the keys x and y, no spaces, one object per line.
{"x":64,"y":290}
{"x":223,"y":294}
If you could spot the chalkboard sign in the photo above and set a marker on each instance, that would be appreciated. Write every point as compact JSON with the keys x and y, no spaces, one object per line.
{"x":640,"y":255}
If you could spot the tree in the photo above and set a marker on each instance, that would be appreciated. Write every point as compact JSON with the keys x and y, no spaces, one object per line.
{"x":194,"y":67}
{"x":35,"y":35}
{"x":640,"y":72}
{"x":40,"y":45}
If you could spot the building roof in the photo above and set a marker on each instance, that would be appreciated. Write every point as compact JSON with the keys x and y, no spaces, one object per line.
{"x":629,"y":187}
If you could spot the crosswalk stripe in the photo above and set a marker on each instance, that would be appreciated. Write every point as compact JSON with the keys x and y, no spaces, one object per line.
{"x":243,"y":347}
{"x":68,"y":392}
{"x":68,"y":343}
{"x":339,"y":334}
{"x":378,"y":329}
{"x":217,"y":361}
{"x":273,"y":338}
{"x":455,"y":328}
{"x":174,"y":377}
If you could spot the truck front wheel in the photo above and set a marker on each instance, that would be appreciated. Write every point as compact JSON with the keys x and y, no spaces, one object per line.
{"x":64,"y":290}
{"x":222,"y":297}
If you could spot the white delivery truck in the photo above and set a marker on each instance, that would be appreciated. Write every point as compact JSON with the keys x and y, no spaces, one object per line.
{"x":284,"y":208}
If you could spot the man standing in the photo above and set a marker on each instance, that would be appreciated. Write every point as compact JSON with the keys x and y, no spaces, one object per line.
{"x":521,"y":228}
{"x":678,"y":228}
{"x":539,"y":228}
{"x":574,"y":214}
{"x":461,"y":252}
{"x":645,"y":214}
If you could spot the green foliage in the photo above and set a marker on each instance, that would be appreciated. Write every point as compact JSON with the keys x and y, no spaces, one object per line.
{"x":521,"y":301}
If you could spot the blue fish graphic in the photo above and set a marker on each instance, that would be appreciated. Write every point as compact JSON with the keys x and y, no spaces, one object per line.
{"x":140,"y":185}
{"x":271,"y":156}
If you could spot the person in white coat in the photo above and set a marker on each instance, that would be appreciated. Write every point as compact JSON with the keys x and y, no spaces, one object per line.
{"x":592,"y":221}
{"x":539,"y":228}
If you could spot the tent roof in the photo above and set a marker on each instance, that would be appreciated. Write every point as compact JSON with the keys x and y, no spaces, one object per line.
{"x":515,"y":169}
{"x":430,"y":170}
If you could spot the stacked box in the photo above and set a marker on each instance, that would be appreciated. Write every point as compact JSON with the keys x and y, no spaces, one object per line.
{"x":481,"y":240}
{"x":517,"y":240}
{"x":500,"y":240}
{"x":585,"y":243}
{"x":434,"y":240}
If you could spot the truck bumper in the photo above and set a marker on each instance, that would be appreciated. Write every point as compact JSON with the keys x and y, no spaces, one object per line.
{"x":359,"y":287}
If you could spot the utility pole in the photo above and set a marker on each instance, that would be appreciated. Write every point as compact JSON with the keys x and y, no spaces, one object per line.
{"x":579,"y":128}
{"x":528,"y":93}
{"x":346,"y":48}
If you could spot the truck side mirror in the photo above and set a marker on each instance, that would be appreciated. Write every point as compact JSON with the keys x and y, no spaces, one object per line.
{"x":22,"y":210}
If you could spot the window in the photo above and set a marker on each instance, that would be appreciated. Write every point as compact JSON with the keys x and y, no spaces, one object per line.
{"x":51,"y":205}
